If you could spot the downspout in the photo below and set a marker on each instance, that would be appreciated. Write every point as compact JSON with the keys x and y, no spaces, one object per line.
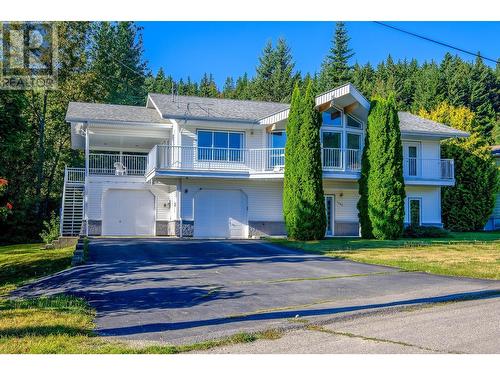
{"x":179,"y":207}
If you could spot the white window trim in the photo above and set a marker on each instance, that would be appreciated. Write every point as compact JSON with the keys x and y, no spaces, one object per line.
{"x":334,"y":130}
{"x":361,"y":123}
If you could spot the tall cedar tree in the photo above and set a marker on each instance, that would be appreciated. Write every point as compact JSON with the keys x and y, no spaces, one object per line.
{"x":335,"y":69}
{"x":311,"y":223}
{"x":292,"y":182}
{"x":362,"y":205}
{"x":386,"y":189}
{"x":467,"y":205}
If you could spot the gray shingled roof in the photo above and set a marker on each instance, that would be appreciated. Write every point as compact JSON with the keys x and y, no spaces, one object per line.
{"x":409,"y":123}
{"x":78,"y":111}
{"x":228,"y":109}
{"x":213,"y":108}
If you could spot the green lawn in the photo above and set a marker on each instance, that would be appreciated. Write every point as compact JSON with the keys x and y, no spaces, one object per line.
{"x":461,"y":254}
{"x":65,"y":324}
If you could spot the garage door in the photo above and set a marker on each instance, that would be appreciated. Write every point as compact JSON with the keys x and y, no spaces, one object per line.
{"x":128,"y":213}
{"x":220,"y":213}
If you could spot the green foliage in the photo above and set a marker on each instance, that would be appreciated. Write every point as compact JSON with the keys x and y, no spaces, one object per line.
{"x":50,"y":230}
{"x":274,"y":79}
{"x":467,"y":205}
{"x":418,"y":231}
{"x":291,"y":182}
{"x":335,"y":69}
{"x":362,"y":205}
{"x":303,"y":200}
{"x":382,"y":174}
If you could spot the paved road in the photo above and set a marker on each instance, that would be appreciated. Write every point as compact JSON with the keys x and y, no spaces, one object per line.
{"x":181,"y":291}
{"x":459,"y":327}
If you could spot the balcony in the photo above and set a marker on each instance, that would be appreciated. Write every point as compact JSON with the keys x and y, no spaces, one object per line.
{"x":179,"y":159}
{"x":428,"y":169}
{"x":264,"y":160}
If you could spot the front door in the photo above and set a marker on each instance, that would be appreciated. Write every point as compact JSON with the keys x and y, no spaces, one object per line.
{"x":411,"y":159}
{"x":330,"y":214}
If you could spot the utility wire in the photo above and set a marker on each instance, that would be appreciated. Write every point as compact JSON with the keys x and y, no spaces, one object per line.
{"x":435,"y":41}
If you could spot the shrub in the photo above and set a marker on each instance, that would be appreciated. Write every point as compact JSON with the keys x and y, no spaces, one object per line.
{"x":467,"y":205}
{"x":382,"y":186}
{"x":51,"y":229}
{"x":416,"y":231}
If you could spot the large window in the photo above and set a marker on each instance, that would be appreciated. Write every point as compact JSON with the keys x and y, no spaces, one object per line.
{"x":332,"y":144}
{"x":220,"y":145}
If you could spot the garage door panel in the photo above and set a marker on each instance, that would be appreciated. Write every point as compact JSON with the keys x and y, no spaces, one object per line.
{"x":128,"y":213}
{"x":220,"y":213}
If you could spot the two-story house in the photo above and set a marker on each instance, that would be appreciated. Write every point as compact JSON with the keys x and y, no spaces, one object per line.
{"x":203,"y":167}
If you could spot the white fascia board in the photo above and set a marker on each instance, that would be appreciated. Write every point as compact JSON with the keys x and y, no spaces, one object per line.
{"x":434,"y":135}
{"x":151,"y":101}
{"x":215,"y":123}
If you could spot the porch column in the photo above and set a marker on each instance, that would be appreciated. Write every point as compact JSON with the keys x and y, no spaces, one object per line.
{"x":85,"y":190}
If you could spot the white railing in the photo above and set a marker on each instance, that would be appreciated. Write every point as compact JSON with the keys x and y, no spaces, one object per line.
{"x":339,"y":159}
{"x":430,"y":169}
{"x":116,"y":164}
{"x":207,"y":158}
{"x":75,"y":175}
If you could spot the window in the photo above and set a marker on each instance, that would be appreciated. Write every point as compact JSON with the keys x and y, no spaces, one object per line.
{"x":414,"y":211}
{"x":332,"y":139}
{"x":277,"y":143}
{"x":352,"y":122}
{"x":277,"y":139}
{"x":353,"y":141}
{"x":219,"y":145}
{"x":333,"y":118}
{"x":332,"y":154}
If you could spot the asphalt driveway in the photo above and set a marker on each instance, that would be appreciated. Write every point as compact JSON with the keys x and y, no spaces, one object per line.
{"x":181,"y":291}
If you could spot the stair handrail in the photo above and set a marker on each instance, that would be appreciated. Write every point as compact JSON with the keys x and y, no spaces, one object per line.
{"x":61,"y":217}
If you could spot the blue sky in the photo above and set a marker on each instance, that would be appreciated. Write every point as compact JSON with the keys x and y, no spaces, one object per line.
{"x":232,"y":48}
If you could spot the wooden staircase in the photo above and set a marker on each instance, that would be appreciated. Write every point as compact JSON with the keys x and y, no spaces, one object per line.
{"x":72,"y":213}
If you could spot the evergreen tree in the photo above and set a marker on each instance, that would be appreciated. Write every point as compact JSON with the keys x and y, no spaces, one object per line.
{"x":335,"y":69}
{"x":243,"y":90}
{"x":274,"y":79}
{"x":384,"y":177}
{"x":467,"y":205}
{"x":427,"y":88}
{"x":208,"y":87}
{"x":117,"y":63}
{"x":363,"y":77}
{"x":311,"y":222}
{"x":366,"y":228}
{"x":228,"y":91}
{"x":481,"y":87}
{"x":292,"y":182}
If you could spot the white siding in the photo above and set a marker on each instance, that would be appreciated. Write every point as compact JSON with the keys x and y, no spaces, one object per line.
{"x":346,"y":199}
{"x":98,"y":185}
{"x":264,"y":197}
{"x":431,"y":203}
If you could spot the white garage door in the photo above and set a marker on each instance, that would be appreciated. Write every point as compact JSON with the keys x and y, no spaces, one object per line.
{"x":220,"y":213}
{"x":128,"y":213}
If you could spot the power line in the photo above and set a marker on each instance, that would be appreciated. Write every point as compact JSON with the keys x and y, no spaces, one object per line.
{"x":435,"y":41}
